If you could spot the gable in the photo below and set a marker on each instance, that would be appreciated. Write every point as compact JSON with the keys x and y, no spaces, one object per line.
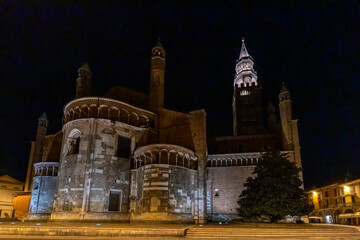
{"x":8,"y":179}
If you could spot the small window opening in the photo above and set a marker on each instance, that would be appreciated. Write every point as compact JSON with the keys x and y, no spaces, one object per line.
{"x":217,"y":193}
{"x":114,"y":201}
{"x":123,"y":147}
{"x":74,"y":142}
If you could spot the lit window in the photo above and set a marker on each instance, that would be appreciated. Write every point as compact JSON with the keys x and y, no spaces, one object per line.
{"x":346,"y":190}
{"x":244,"y":93}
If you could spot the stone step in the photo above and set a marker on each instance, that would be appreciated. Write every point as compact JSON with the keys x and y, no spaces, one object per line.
{"x":90,"y":231}
{"x":267,"y":236}
{"x":271,"y":231}
{"x":298,"y":233}
{"x":273,"y":234}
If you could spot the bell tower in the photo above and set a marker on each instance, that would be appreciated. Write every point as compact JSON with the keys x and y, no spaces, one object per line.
{"x":285,"y":117}
{"x":289,"y":126}
{"x":40,"y":137}
{"x":247,"y":97}
{"x":156,"y":94}
{"x":37,"y":149}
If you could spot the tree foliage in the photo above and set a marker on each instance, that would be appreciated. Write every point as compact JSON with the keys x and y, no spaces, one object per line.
{"x":275,"y":191}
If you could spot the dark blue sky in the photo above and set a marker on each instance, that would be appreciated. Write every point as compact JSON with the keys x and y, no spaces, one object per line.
{"x":312,"y":46}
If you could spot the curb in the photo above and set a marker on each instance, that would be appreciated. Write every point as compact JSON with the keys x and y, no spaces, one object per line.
{"x":336,"y":225}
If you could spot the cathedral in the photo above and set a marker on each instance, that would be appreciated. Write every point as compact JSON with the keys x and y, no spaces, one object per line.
{"x":124,"y":157}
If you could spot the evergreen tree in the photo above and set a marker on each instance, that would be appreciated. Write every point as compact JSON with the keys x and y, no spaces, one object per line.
{"x":275,"y":192}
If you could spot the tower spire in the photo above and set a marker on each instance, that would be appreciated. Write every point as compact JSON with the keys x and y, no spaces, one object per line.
{"x":245,"y":75}
{"x":158,"y":44}
{"x":243,"y":52}
{"x":283,"y":88}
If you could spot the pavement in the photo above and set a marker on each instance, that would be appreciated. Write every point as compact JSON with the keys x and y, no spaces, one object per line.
{"x":274,"y":231}
{"x":111,"y":231}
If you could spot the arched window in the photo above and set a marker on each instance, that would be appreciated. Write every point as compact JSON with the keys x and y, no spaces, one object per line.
{"x":172,"y":158}
{"x":103,"y":112}
{"x":74,"y":142}
{"x":164,"y":157}
{"x":134,"y":119}
{"x":114,"y":114}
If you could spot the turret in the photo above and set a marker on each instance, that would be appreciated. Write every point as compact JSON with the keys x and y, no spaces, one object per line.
{"x":156,"y":93}
{"x":289,"y":126}
{"x":285,"y":117}
{"x":40,"y":137}
{"x":247,"y":97}
{"x":83,"y":82}
{"x":37,"y":149}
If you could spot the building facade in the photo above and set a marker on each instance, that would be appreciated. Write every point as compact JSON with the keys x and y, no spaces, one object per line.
{"x":124,"y":157}
{"x":336,"y":203}
{"x":232,"y":159}
{"x":8,"y":188}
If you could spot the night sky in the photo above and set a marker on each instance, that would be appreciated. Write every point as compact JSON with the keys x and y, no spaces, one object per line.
{"x":312,"y":46}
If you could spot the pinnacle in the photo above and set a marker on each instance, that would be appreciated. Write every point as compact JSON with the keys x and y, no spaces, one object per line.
{"x":43,"y":116}
{"x":85,"y":66}
{"x":243,"y":51}
{"x":158,"y":44}
{"x":284,"y":88}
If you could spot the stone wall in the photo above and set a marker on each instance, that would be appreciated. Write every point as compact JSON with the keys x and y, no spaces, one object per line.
{"x":52,"y":147}
{"x":224,"y":185}
{"x":174,"y":128}
{"x":198,"y":131}
{"x":163,"y":192}
{"x":245,"y":143}
{"x":42,"y":197}
{"x":94,"y":180}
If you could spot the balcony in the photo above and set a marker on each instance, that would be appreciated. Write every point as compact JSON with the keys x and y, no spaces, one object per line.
{"x":46,"y":169}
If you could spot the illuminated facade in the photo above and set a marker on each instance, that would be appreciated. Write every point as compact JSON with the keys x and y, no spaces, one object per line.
{"x":120,"y":157}
{"x":232,"y":159}
{"x":8,"y":188}
{"x":336,"y":203}
{"x":124,"y":157}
